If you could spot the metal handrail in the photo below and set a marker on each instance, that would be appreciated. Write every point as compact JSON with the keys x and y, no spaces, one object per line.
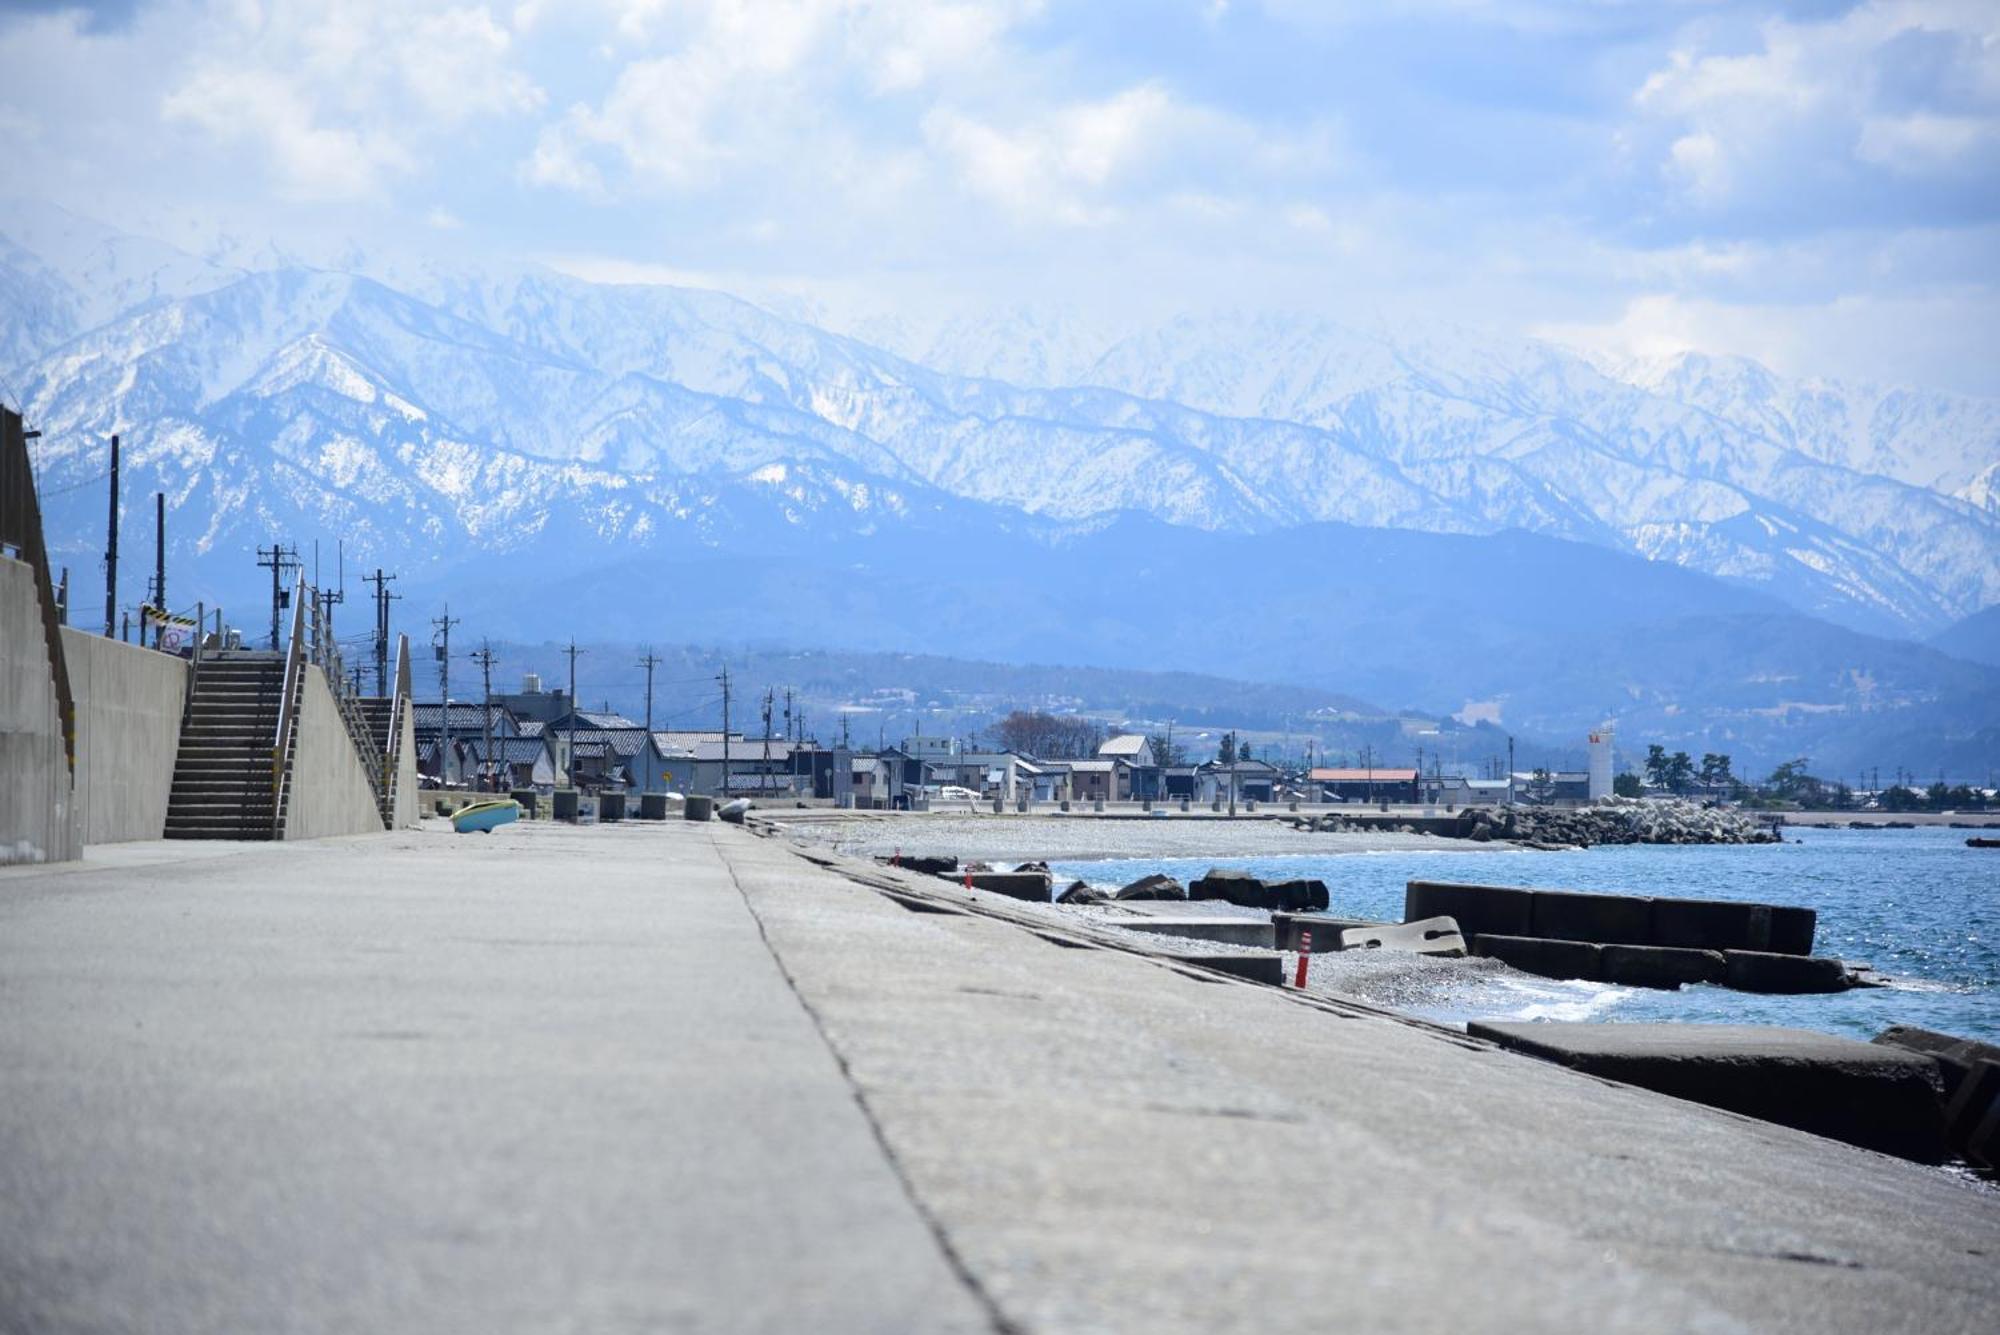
{"x":21,"y":528}
{"x":392,"y":754}
{"x":295,"y":661}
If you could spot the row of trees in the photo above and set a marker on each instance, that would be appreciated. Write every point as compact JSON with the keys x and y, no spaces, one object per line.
{"x":1790,"y":783}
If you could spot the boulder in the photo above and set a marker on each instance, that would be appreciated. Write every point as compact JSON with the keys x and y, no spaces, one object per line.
{"x":1155,"y":886}
{"x":1080,"y":892}
{"x":1248,"y":891}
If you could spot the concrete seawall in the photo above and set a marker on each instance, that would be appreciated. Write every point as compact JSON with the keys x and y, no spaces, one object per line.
{"x":39,"y":817}
{"x":331,"y":790}
{"x":128,"y":731}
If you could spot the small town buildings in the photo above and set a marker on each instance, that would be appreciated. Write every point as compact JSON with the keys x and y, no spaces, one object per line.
{"x":1247,"y":780}
{"x":1142,"y":770}
{"x":1363,"y":784}
{"x":1454,"y":790}
{"x":516,"y":762}
{"x":1106,"y":779}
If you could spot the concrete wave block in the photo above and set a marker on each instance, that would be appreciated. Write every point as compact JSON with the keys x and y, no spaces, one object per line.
{"x":1260,"y":967}
{"x":1232,"y":931}
{"x":1766,"y":971}
{"x":1660,"y":966}
{"x":1567,"y":915}
{"x":1033,"y":886}
{"x":1479,"y":909}
{"x":1541,"y":956}
{"x":1867,"y":1094}
{"x":1325,"y":929}
{"x":1432,"y":936}
{"x":1711,"y":924}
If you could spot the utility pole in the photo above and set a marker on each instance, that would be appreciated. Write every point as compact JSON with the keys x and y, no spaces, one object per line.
{"x":485,"y":660}
{"x":649,"y":662}
{"x":443,"y":626}
{"x":766,"y":783}
{"x":1510,"y":771}
{"x":382,"y":600}
{"x":277,"y":558}
{"x":111,"y":551}
{"x":788,"y":717}
{"x":569,"y":761}
{"x":724,"y":679}
{"x":329,"y":597}
{"x":159,"y":598}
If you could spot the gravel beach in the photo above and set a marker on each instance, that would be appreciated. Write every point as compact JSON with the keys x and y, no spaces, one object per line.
{"x":1017,"y":838}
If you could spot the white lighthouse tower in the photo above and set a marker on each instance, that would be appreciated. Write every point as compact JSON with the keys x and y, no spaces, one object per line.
{"x":1600,"y":761}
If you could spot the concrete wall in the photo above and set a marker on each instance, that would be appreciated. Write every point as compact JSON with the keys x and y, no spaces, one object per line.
{"x":128,"y":732}
{"x":331,"y":792}
{"x":407,"y":813}
{"x":39,"y":819}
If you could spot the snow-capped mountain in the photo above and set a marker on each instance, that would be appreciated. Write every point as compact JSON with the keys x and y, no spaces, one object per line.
{"x":482,"y":412}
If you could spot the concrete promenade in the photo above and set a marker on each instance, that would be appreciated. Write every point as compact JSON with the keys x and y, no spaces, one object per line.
{"x":681,"y":1078}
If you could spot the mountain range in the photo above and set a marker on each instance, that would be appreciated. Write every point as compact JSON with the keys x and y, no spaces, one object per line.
{"x":1430,"y":517}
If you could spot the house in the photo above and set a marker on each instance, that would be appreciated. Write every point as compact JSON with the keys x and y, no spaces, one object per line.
{"x":1461,"y":792}
{"x":1366,"y":784}
{"x":532,"y":702}
{"x":1247,"y":780}
{"x":1180,"y":781}
{"x":1100,"y":780}
{"x":434,"y":725}
{"x":1136,"y":752}
{"x":1560,"y":788}
{"x":516,"y":762}
{"x":1006,"y":775}
{"x":736,"y":766}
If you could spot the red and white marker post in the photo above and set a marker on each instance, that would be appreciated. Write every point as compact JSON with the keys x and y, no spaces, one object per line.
{"x":1305,"y":954}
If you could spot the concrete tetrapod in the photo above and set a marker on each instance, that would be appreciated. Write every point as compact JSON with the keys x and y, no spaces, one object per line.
{"x":1878,"y":1097}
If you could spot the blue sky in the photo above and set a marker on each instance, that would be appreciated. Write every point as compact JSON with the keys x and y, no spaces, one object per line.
{"x":1814,"y":184}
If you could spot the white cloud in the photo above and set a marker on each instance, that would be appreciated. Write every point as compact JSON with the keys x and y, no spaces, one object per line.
{"x":1911,"y":87}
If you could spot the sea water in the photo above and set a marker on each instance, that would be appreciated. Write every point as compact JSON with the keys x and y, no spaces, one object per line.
{"x":1918,"y":905}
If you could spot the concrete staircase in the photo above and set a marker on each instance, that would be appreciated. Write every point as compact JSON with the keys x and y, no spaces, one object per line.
{"x":376,"y":713}
{"x":222,"y":774}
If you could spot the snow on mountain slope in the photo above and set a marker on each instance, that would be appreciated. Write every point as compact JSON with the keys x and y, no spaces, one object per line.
{"x":480,"y":402}
{"x":1933,"y":440}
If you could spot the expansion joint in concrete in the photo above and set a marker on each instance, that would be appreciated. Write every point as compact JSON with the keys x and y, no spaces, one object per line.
{"x":1002,"y":1325}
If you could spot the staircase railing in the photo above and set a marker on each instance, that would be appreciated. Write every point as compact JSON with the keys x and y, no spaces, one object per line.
{"x":21,"y":529}
{"x":288,"y":710}
{"x":392,"y":754}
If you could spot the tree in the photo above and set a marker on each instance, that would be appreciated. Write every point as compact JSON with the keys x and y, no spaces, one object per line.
{"x":1226,"y":753}
{"x":1166,"y":751}
{"x":1714,"y":771}
{"x":1679,"y":772}
{"x":1049,"y":736}
{"x":1656,"y":765}
{"x":1243,"y":751}
{"x":1628,"y":784}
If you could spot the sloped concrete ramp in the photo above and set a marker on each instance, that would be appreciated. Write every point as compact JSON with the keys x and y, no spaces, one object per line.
{"x":676,"y":1077}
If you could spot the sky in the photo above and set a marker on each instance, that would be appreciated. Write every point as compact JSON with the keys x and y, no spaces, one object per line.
{"x":1816,"y":185}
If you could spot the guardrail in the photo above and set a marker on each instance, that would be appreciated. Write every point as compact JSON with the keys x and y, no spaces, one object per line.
{"x":392,"y":754}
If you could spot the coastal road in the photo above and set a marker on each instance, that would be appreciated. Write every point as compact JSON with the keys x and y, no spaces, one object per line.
{"x":681,"y":1078}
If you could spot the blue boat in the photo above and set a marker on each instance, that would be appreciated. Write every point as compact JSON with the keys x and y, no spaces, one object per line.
{"x":484,"y":816}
